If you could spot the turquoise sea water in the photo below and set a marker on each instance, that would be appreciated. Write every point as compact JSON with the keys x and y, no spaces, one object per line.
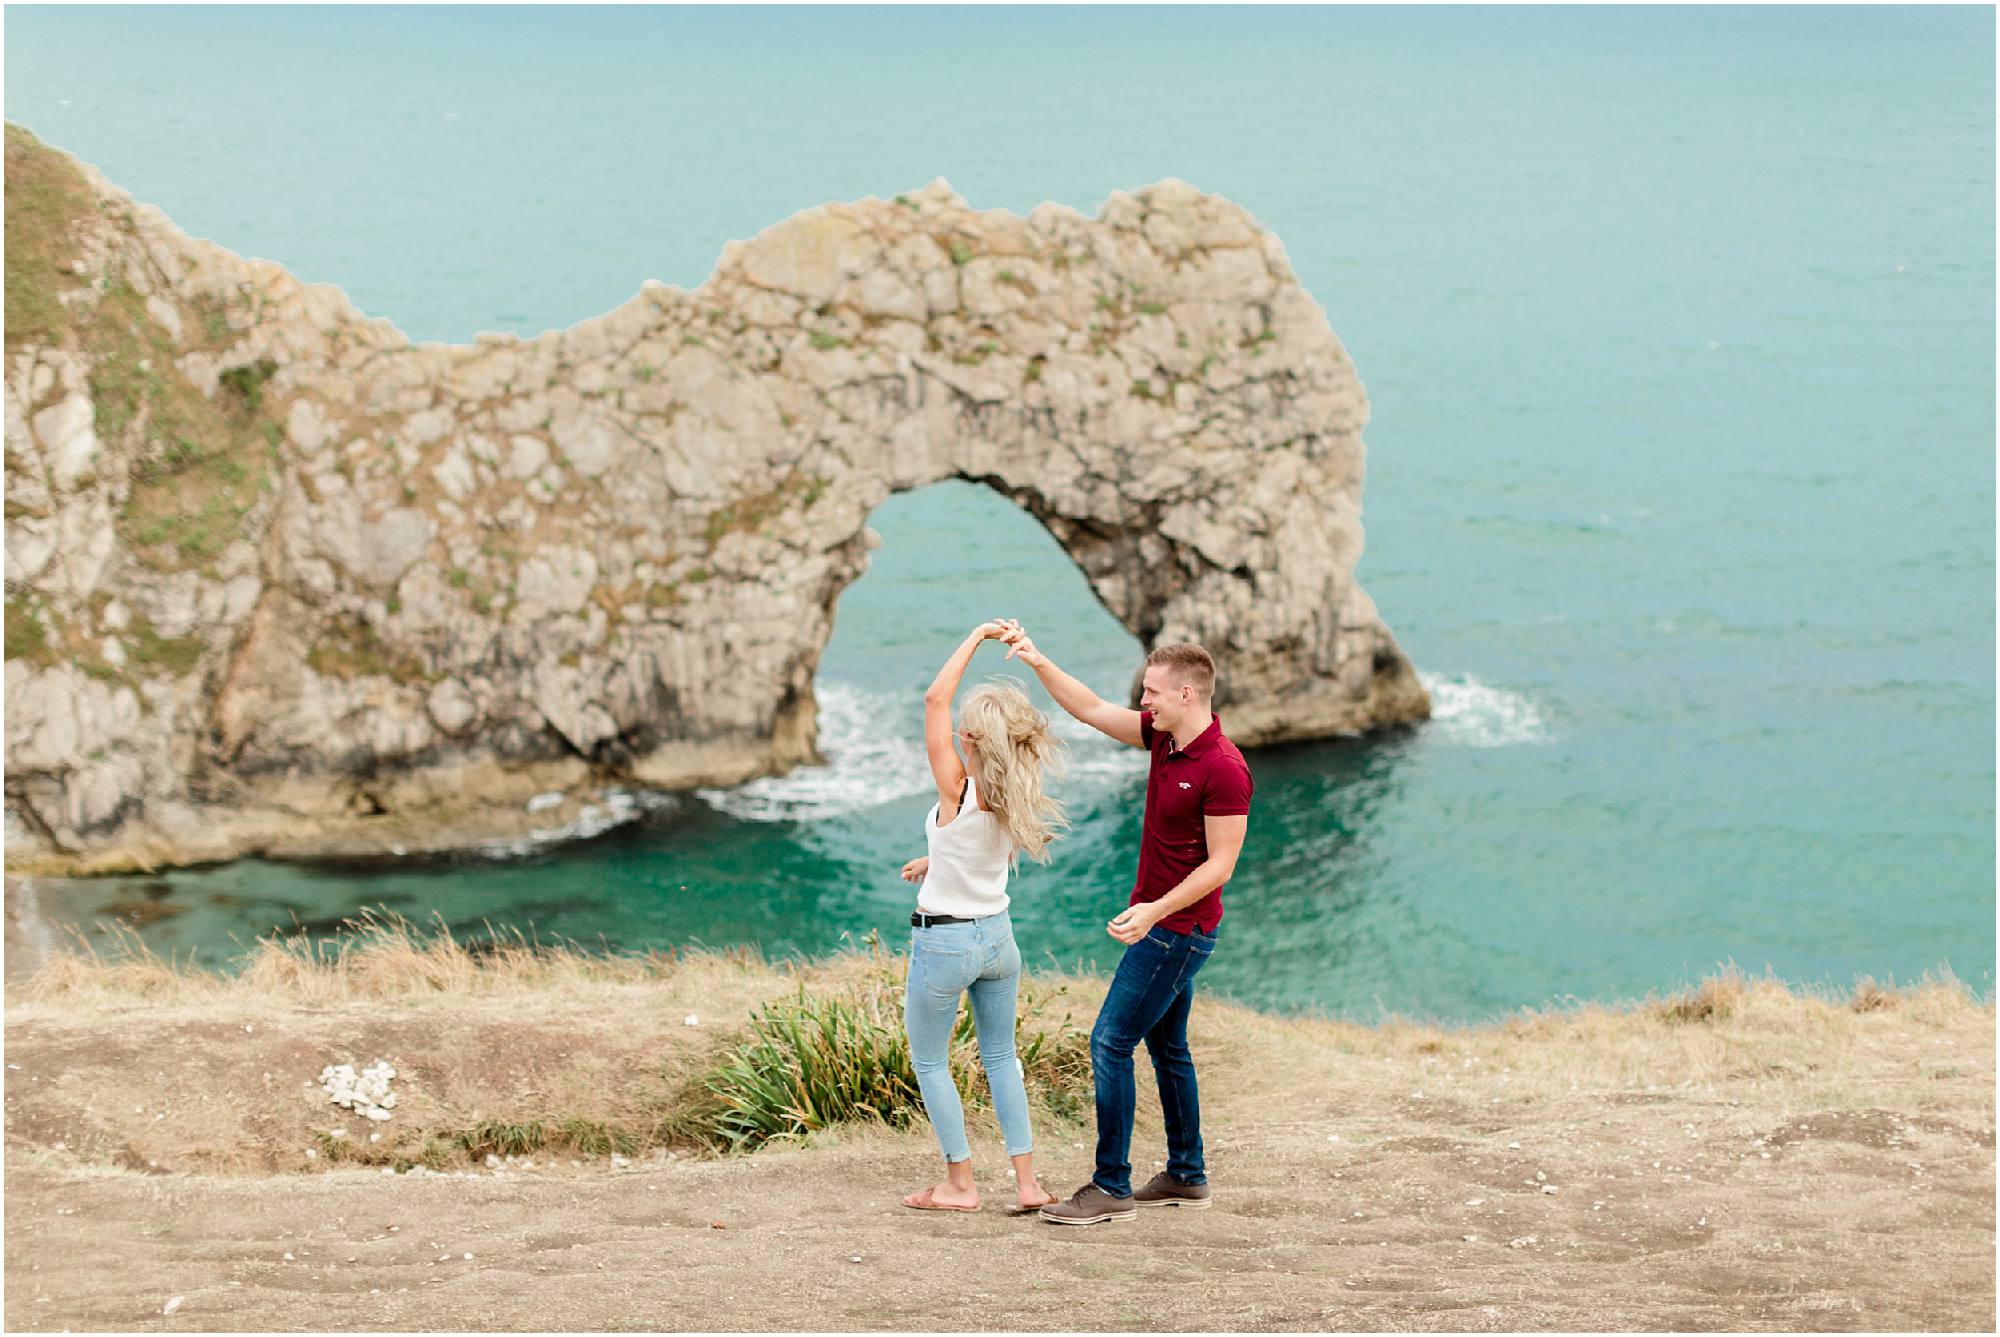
{"x":1678,"y":327}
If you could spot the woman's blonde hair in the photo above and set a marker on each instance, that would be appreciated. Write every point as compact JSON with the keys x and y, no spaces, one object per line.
{"x":1012,"y":747}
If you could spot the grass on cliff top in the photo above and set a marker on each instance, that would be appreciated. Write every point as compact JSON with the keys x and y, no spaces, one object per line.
{"x":46,"y":198}
{"x":199,"y":465}
{"x":801,"y":1052}
{"x":827,"y":1053}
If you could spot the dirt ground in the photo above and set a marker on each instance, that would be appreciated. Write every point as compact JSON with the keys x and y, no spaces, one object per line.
{"x":1793,"y":1164}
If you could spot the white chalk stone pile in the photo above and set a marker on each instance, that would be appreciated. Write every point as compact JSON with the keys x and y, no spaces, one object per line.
{"x":367,"y":1094}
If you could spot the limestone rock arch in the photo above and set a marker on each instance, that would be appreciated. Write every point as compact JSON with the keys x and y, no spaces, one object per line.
{"x":285,"y":582}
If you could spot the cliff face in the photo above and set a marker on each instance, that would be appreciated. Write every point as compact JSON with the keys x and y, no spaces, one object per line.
{"x":280,"y":581}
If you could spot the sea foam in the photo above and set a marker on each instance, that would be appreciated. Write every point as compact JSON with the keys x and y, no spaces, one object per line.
{"x":1468,"y":712}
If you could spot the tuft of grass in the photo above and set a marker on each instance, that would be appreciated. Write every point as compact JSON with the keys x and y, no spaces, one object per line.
{"x":823,"y":341}
{"x":759,"y":508}
{"x":1870,"y":996}
{"x":247,"y":383}
{"x":591,"y":1137}
{"x":177,"y":655}
{"x":1715,"y":999}
{"x":27,"y":638}
{"x":961,"y":254}
{"x":350,"y":648}
{"x":497,"y":1137}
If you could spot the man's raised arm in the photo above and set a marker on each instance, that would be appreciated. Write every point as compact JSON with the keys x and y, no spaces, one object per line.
{"x":1112,"y":721}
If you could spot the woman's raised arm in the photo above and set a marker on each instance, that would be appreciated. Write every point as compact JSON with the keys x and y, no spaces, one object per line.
{"x":947,"y":768}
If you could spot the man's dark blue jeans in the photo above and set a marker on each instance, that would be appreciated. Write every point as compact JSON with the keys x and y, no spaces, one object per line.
{"x":1149,"y":1000}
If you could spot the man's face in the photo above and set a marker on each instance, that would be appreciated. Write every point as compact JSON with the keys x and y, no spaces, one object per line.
{"x":1161,"y":695}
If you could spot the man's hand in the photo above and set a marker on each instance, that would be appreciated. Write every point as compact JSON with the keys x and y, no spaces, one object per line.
{"x":1019,"y":646}
{"x":914,"y":870}
{"x":1131,"y":926}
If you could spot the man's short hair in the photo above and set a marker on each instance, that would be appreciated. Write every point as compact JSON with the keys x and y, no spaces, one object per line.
{"x":1189,"y":664}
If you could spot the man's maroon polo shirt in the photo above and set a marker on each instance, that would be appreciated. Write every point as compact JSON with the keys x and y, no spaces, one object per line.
{"x":1210,"y":779}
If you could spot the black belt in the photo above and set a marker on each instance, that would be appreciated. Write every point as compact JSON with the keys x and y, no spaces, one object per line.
{"x":921,"y":920}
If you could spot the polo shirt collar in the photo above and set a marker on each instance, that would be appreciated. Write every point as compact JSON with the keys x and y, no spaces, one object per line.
{"x":1206,"y":738}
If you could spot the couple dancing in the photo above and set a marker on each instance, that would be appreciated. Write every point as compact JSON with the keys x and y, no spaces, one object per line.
{"x":991,"y":809}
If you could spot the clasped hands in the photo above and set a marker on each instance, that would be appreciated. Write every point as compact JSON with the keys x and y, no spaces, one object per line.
{"x":1009,"y":632}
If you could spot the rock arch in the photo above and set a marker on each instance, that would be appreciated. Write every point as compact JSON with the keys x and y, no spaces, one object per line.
{"x":284,"y":581}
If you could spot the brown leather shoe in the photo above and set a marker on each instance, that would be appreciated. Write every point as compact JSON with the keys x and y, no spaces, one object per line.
{"x":1087,"y":1206}
{"x":1163,"y":1190}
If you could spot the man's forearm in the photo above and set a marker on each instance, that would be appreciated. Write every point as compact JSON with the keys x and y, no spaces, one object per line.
{"x":1206,"y":877}
{"x":1070,"y":694}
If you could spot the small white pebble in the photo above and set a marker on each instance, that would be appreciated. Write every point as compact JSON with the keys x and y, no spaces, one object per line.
{"x":1513,"y":1146}
{"x":172,"y":1304}
{"x":691,"y":1020}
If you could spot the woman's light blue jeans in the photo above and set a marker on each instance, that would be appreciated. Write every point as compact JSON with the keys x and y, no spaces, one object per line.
{"x":947,"y":960}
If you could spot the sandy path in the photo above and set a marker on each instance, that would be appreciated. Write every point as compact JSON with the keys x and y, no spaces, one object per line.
{"x":1835,"y":1232}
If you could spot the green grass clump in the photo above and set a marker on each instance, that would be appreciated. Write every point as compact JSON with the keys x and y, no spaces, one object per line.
{"x":176,"y":654}
{"x":247,"y":382}
{"x":349,"y":648}
{"x":27,"y":638}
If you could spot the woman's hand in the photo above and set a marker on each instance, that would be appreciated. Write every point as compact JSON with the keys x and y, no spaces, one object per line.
{"x":914,"y":870}
{"x":1019,"y":646}
{"x":990,"y":631}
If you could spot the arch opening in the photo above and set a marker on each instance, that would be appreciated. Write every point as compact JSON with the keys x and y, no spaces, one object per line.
{"x":951,"y":554}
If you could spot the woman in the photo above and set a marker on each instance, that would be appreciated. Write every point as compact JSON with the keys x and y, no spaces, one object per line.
{"x":990,"y":810}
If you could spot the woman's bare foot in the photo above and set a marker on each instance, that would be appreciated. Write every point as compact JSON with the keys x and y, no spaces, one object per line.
{"x":1033,"y":1196}
{"x":943,"y":1198}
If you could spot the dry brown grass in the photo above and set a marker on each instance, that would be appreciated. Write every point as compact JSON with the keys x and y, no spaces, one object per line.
{"x":379,"y":958}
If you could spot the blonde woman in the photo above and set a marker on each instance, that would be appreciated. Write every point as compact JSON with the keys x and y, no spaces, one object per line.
{"x":991,"y":809}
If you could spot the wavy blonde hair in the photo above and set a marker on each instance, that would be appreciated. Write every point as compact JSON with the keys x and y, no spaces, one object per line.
{"x":1013,"y":747}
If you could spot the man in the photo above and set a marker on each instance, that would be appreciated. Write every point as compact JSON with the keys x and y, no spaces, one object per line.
{"x":1197,"y":809}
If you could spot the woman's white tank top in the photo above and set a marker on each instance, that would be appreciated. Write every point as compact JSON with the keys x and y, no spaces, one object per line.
{"x":968,"y":872}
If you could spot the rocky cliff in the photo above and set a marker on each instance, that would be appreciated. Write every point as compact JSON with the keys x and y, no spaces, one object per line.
{"x":279,"y":580}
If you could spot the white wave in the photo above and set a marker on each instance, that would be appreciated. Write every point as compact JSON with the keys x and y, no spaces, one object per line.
{"x":1467,"y":711}
{"x":616,"y":807}
{"x":874,"y":755}
{"x":1092,"y":756}
{"x":874,"y":750}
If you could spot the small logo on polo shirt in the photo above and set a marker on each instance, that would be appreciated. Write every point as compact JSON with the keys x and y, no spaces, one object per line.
{"x":1186,"y":785}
